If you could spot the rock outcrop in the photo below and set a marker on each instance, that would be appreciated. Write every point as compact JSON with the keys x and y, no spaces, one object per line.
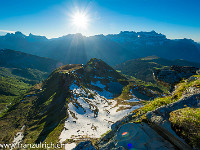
{"x":137,"y":136}
{"x":174,"y":74}
{"x":159,"y":119}
{"x":154,"y":130}
{"x":141,"y":136}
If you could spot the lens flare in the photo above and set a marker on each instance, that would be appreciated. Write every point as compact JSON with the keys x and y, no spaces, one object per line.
{"x":130,"y":147}
{"x":124,"y":134}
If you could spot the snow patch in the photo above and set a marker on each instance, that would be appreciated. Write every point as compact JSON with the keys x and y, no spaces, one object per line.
{"x":70,"y":146}
{"x":133,"y":100}
{"x":19,"y":137}
{"x":92,"y":117}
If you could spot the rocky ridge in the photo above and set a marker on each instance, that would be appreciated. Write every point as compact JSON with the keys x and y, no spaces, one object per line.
{"x":113,"y":48}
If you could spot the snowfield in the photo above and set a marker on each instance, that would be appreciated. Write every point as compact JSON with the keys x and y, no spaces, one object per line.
{"x":91,"y":116}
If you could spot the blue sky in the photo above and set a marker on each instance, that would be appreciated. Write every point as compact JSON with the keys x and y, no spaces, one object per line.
{"x":52,"y":18}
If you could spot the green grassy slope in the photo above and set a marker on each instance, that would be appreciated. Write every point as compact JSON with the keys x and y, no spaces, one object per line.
{"x":18,"y":72}
{"x":42,"y":109}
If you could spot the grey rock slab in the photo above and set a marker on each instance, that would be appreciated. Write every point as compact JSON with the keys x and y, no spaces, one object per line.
{"x":140,"y":136}
{"x":159,"y":118}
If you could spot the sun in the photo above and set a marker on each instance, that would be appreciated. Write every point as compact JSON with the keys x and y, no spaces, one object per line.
{"x":80,"y":20}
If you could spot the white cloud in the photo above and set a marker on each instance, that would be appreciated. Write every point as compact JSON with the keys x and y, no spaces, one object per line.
{"x":7,"y":31}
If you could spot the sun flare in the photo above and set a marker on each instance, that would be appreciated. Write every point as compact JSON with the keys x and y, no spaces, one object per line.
{"x":80,"y":20}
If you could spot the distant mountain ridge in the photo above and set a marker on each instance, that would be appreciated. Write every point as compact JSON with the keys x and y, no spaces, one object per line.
{"x":16,"y":59}
{"x":143,"y":68}
{"x":112,"y":48}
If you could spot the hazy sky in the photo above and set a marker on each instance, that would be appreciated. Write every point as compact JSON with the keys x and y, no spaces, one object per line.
{"x":53,"y":18}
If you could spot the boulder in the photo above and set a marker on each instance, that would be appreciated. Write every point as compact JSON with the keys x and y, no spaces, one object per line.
{"x":140,"y":136}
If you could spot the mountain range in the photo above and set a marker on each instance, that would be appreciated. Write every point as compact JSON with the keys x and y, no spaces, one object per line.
{"x":112,"y":48}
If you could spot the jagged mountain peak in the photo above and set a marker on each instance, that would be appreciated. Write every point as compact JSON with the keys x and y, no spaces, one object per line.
{"x":95,"y":75}
{"x":113,"y":48}
{"x":17,"y":34}
{"x":33,"y":37}
{"x":94,"y":61}
{"x":98,"y":68}
{"x":94,"y":64}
